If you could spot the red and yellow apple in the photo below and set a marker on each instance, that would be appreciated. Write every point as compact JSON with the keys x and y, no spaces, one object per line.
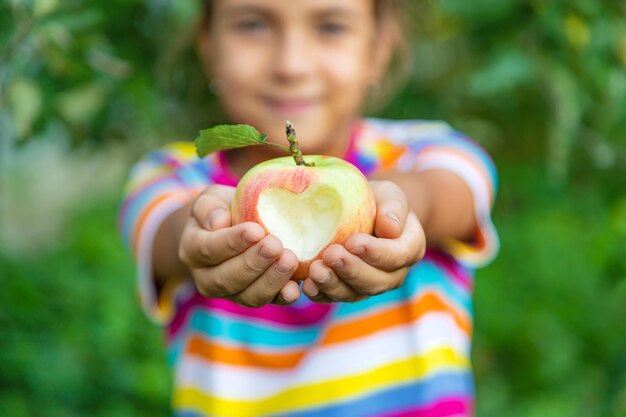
{"x":307,"y":207}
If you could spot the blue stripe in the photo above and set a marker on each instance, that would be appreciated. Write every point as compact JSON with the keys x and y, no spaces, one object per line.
{"x":421,"y":277}
{"x":399,"y":398}
{"x":174,"y":351}
{"x":481,"y":153}
{"x":143,"y":199}
{"x":192,"y":176}
{"x":396,"y":399}
{"x":463,"y":143}
{"x":447,"y":137}
{"x":203,"y":165}
{"x":189,"y":413}
{"x":188,"y":176}
{"x":230,"y":329}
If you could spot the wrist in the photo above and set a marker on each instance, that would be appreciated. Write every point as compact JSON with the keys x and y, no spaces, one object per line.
{"x":416,"y":189}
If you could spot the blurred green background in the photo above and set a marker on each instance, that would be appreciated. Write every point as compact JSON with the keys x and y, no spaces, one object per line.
{"x":87,"y":87}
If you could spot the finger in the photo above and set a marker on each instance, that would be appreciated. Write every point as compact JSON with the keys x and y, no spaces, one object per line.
{"x":236,"y":274}
{"x":390,"y":254}
{"x":320,"y":298}
{"x":211,"y":209}
{"x":391,"y":209}
{"x":363,"y":278}
{"x":328,"y":284}
{"x":213,"y":248}
{"x":288,"y":294}
{"x":310,"y":290}
{"x":265,"y":289}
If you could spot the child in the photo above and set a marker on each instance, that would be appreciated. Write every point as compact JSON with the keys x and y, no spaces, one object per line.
{"x":371,"y":331}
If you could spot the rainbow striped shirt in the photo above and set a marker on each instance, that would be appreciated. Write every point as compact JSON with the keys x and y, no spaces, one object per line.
{"x":403,"y":353}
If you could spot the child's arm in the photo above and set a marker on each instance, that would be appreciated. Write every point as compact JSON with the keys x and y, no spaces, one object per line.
{"x":212,"y":250}
{"x":442,"y":201}
{"x":370,"y":265}
{"x":239,"y":263}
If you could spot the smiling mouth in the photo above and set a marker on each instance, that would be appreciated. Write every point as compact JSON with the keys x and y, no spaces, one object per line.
{"x":290,"y":106}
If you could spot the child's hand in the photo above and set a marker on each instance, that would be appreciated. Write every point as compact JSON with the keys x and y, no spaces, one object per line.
{"x":370,"y":265}
{"x":238,"y":262}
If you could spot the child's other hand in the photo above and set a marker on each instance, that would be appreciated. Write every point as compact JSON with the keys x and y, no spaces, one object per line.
{"x":240,"y":262}
{"x":370,"y":265}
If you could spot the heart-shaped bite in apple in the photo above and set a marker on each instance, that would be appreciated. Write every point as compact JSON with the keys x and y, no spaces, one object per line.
{"x":304,"y":222}
{"x":307,"y":207}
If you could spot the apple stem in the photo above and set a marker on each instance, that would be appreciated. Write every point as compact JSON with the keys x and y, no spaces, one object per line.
{"x":294,"y":148}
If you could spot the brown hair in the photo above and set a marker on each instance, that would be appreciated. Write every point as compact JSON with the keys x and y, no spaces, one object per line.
{"x":389,"y":17}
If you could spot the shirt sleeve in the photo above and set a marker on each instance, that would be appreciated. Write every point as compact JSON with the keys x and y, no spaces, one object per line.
{"x":445,"y":148}
{"x":159,"y":184}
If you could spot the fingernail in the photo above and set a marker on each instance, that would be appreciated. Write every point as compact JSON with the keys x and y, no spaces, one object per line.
{"x":394,"y":218}
{"x":267,"y":252}
{"x":359,"y":250}
{"x":214,"y":216}
{"x":249,"y":237}
{"x":315,"y":292}
{"x":323,"y":279}
{"x":282,"y":269}
{"x":288,"y":300}
{"x":337,"y":264}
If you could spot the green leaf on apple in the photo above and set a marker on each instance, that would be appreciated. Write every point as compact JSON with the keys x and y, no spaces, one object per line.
{"x":225,"y":137}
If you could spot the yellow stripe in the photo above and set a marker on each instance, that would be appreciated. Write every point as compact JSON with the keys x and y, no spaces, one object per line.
{"x":182,"y":151}
{"x":312,"y":395}
{"x":186,"y":150}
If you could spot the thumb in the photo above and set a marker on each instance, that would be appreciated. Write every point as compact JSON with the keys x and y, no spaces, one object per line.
{"x":391,"y":209}
{"x":212,"y":208}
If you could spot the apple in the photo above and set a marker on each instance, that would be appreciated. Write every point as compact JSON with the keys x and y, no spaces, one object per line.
{"x":308,"y":206}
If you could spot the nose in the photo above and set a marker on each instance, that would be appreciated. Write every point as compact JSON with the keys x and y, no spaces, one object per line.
{"x":294,"y":55}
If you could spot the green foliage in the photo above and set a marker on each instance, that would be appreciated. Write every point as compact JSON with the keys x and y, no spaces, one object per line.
{"x":547,"y":78}
{"x":81,"y":72}
{"x":548,"y":311}
{"x":74,"y":342}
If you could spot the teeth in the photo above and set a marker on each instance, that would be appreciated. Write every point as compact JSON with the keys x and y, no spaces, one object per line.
{"x":304,"y":222}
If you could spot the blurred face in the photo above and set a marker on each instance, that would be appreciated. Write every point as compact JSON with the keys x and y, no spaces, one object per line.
{"x":308,"y":61}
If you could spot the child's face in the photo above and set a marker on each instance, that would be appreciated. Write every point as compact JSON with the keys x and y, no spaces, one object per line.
{"x":308,"y":61}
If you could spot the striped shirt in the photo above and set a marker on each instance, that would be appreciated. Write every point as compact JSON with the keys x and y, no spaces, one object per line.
{"x":403,"y":353}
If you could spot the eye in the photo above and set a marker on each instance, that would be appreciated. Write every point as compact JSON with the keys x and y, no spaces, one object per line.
{"x":251,"y":25}
{"x":332,"y":28}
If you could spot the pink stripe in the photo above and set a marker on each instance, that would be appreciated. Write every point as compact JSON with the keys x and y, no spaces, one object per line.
{"x":171,"y":160}
{"x":351,"y":154}
{"x":132,"y":196}
{"x":291,"y":315}
{"x":156,"y":161}
{"x":223,"y":179}
{"x":436,"y":152}
{"x":271,"y":314}
{"x":458,"y":274}
{"x":449,"y":407}
{"x":138,"y":191}
{"x":223,"y":175}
